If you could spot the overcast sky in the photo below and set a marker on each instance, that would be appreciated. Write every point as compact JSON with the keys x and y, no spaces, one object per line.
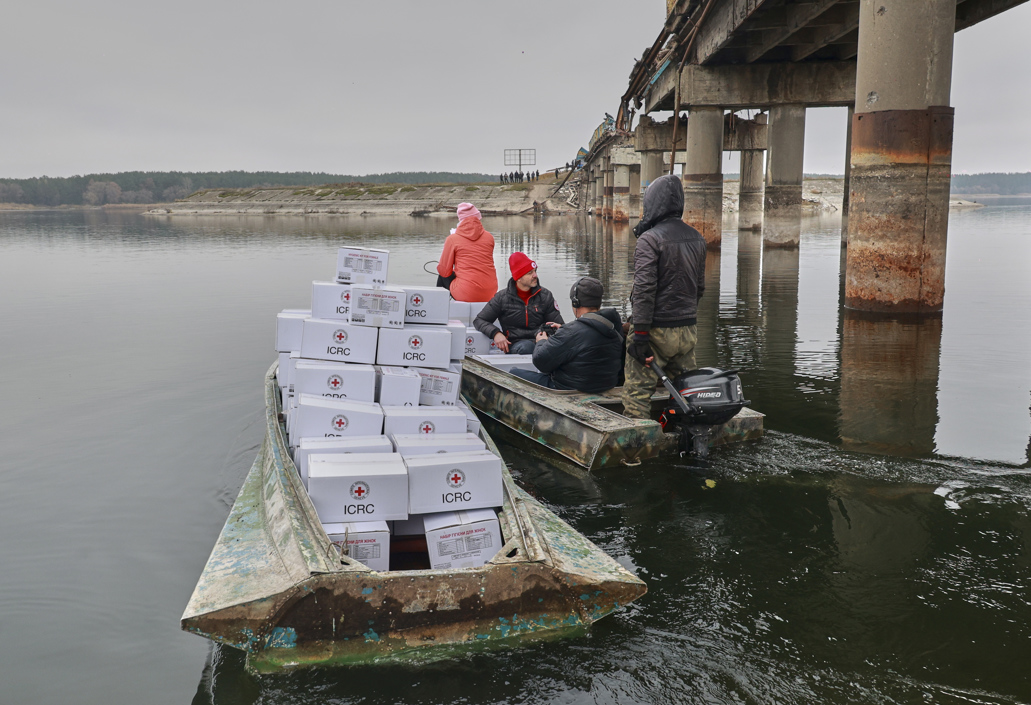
{"x":362,"y":87}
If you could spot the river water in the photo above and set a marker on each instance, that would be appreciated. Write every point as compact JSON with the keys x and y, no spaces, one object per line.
{"x":873,"y":548}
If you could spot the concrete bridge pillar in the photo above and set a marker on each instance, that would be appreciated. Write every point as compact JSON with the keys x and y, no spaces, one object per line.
{"x":635,"y":190}
{"x":703,"y":174}
{"x":651,"y":168}
{"x":901,"y":157}
{"x":606,"y":209}
{"x":589,"y":191}
{"x":782,"y":200}
{"x":848,"y":166}
{"x":599,"y":190}
{"x":621,"y":193}
{"x":750,"y":197}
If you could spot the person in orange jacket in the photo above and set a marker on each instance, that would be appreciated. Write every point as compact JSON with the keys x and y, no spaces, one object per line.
{"x":469,"y":256}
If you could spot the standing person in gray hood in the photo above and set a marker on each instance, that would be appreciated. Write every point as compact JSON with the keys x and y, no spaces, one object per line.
{"x":669,"y":278}
{"x":586,"y":354}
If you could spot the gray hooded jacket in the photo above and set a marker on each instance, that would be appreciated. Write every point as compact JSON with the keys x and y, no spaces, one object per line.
{"x":669,"y":261}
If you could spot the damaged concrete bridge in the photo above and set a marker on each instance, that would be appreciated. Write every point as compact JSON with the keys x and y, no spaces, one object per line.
{"x":888,"y":61}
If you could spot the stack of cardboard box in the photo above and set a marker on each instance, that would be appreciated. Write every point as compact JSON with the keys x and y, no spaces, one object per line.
{"x":370,"y":379}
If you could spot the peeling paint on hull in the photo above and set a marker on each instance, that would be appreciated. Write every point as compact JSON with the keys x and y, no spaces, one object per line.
{"x":275,"y":587}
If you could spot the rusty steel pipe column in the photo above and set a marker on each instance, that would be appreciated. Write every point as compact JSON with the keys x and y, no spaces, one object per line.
{"x":703,"y":174}
{"x":901,"y":157}
{"x":782,"y":199}
{"x":750,"y":197}
{"x":621,"y":193}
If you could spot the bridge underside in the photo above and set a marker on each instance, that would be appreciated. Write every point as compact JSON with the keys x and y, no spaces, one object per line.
{"x":888,"y":61}
{"x":736,"y":32}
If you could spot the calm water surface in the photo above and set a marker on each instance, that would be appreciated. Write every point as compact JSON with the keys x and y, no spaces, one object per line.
{"x":873,"y":548}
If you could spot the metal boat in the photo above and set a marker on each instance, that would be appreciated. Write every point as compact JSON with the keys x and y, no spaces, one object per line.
{"x":586,"y":429}
{"x":277,"y":588}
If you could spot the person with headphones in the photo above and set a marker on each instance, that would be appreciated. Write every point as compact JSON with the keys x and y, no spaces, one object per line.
{"x":586,"y":354}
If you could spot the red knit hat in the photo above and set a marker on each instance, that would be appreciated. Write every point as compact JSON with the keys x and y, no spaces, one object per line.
{"x":520,"y":264}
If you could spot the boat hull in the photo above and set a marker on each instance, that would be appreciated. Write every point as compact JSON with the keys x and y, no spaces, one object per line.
{"x":275,"y":587}
{"x":580,"y":427}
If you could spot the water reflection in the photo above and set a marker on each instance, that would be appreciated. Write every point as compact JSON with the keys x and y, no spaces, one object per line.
{"x":889,"y":383}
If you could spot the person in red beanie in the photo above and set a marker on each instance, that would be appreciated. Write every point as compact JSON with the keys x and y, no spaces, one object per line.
{"x":469,"y":256}
{"x":521,"y":308}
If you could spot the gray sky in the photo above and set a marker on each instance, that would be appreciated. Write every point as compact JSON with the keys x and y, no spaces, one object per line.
{"x":362,"y":87}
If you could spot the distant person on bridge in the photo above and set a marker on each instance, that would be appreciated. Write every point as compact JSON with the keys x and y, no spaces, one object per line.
{"x":521,"y":308}
{"x":468,"y":256}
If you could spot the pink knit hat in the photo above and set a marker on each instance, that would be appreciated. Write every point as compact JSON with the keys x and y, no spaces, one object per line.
{"x":467,"y":210}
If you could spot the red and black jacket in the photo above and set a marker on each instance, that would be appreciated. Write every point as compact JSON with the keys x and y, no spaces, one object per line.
{"x":518,"y":321}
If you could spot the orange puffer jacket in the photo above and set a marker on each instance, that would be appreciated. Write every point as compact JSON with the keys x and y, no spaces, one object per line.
{"x":469,"y":255}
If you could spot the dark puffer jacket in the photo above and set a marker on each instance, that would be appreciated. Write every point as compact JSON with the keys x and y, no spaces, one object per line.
{"x":519,"y":321}
{"x":669,"y":260}
{"x":586,"y":354}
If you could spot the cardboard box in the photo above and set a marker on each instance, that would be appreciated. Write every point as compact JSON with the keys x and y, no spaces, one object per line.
{"x":459,"y":311}
{"x":338,"y":342}
{"x":473,"y":424}
{"x":367,"y":542}
{"x":347,"y":445}
{"x":455,"y":366}
{"x":319,"y":416}
{"x":476,"y":343}
{"x":454,"y":481}
{"x":331,"y":301}
{"x":377,"y":306}
{"x":335,"y":380}
{"x":464,"y":539}
{"x":439,"y":388}
{"x":397,"y":386}
{"x":360,"y":265}
{"x":457,"y":329}
{"x":422,"y":419}
{"x":420,"y":444}
{"x":288,"y":329}
{"x":425,"y":346}
{"x":507,"y":362}
{"x":363,"y":486}
{"x":427,"y":304}
{"x":281,"y":380}
{"x":474,"y":311}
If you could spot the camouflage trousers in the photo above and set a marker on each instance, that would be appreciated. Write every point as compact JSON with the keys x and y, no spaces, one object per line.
{"x":674,"y":351}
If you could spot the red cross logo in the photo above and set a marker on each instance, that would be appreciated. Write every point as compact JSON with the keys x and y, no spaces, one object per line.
{"x":426,"y":427}
{"x":340,"y":336}
{"x":469,"y":340}
{"x":455,"y":478}
{"x":416,"y":300}
{"x":339,"y":422}
{"x":346,"y":297}
{"x":334,"y":382}
{"x":415,"y":342}
{"x":359,"y":490}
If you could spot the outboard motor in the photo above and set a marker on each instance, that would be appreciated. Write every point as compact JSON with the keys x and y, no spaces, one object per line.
{"x":702,"y":400}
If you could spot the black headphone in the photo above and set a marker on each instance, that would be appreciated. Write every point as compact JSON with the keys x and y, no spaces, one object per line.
{"x":575,"y":299}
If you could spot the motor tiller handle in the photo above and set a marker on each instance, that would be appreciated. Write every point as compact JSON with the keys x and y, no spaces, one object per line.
{"x":677,"y":396}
